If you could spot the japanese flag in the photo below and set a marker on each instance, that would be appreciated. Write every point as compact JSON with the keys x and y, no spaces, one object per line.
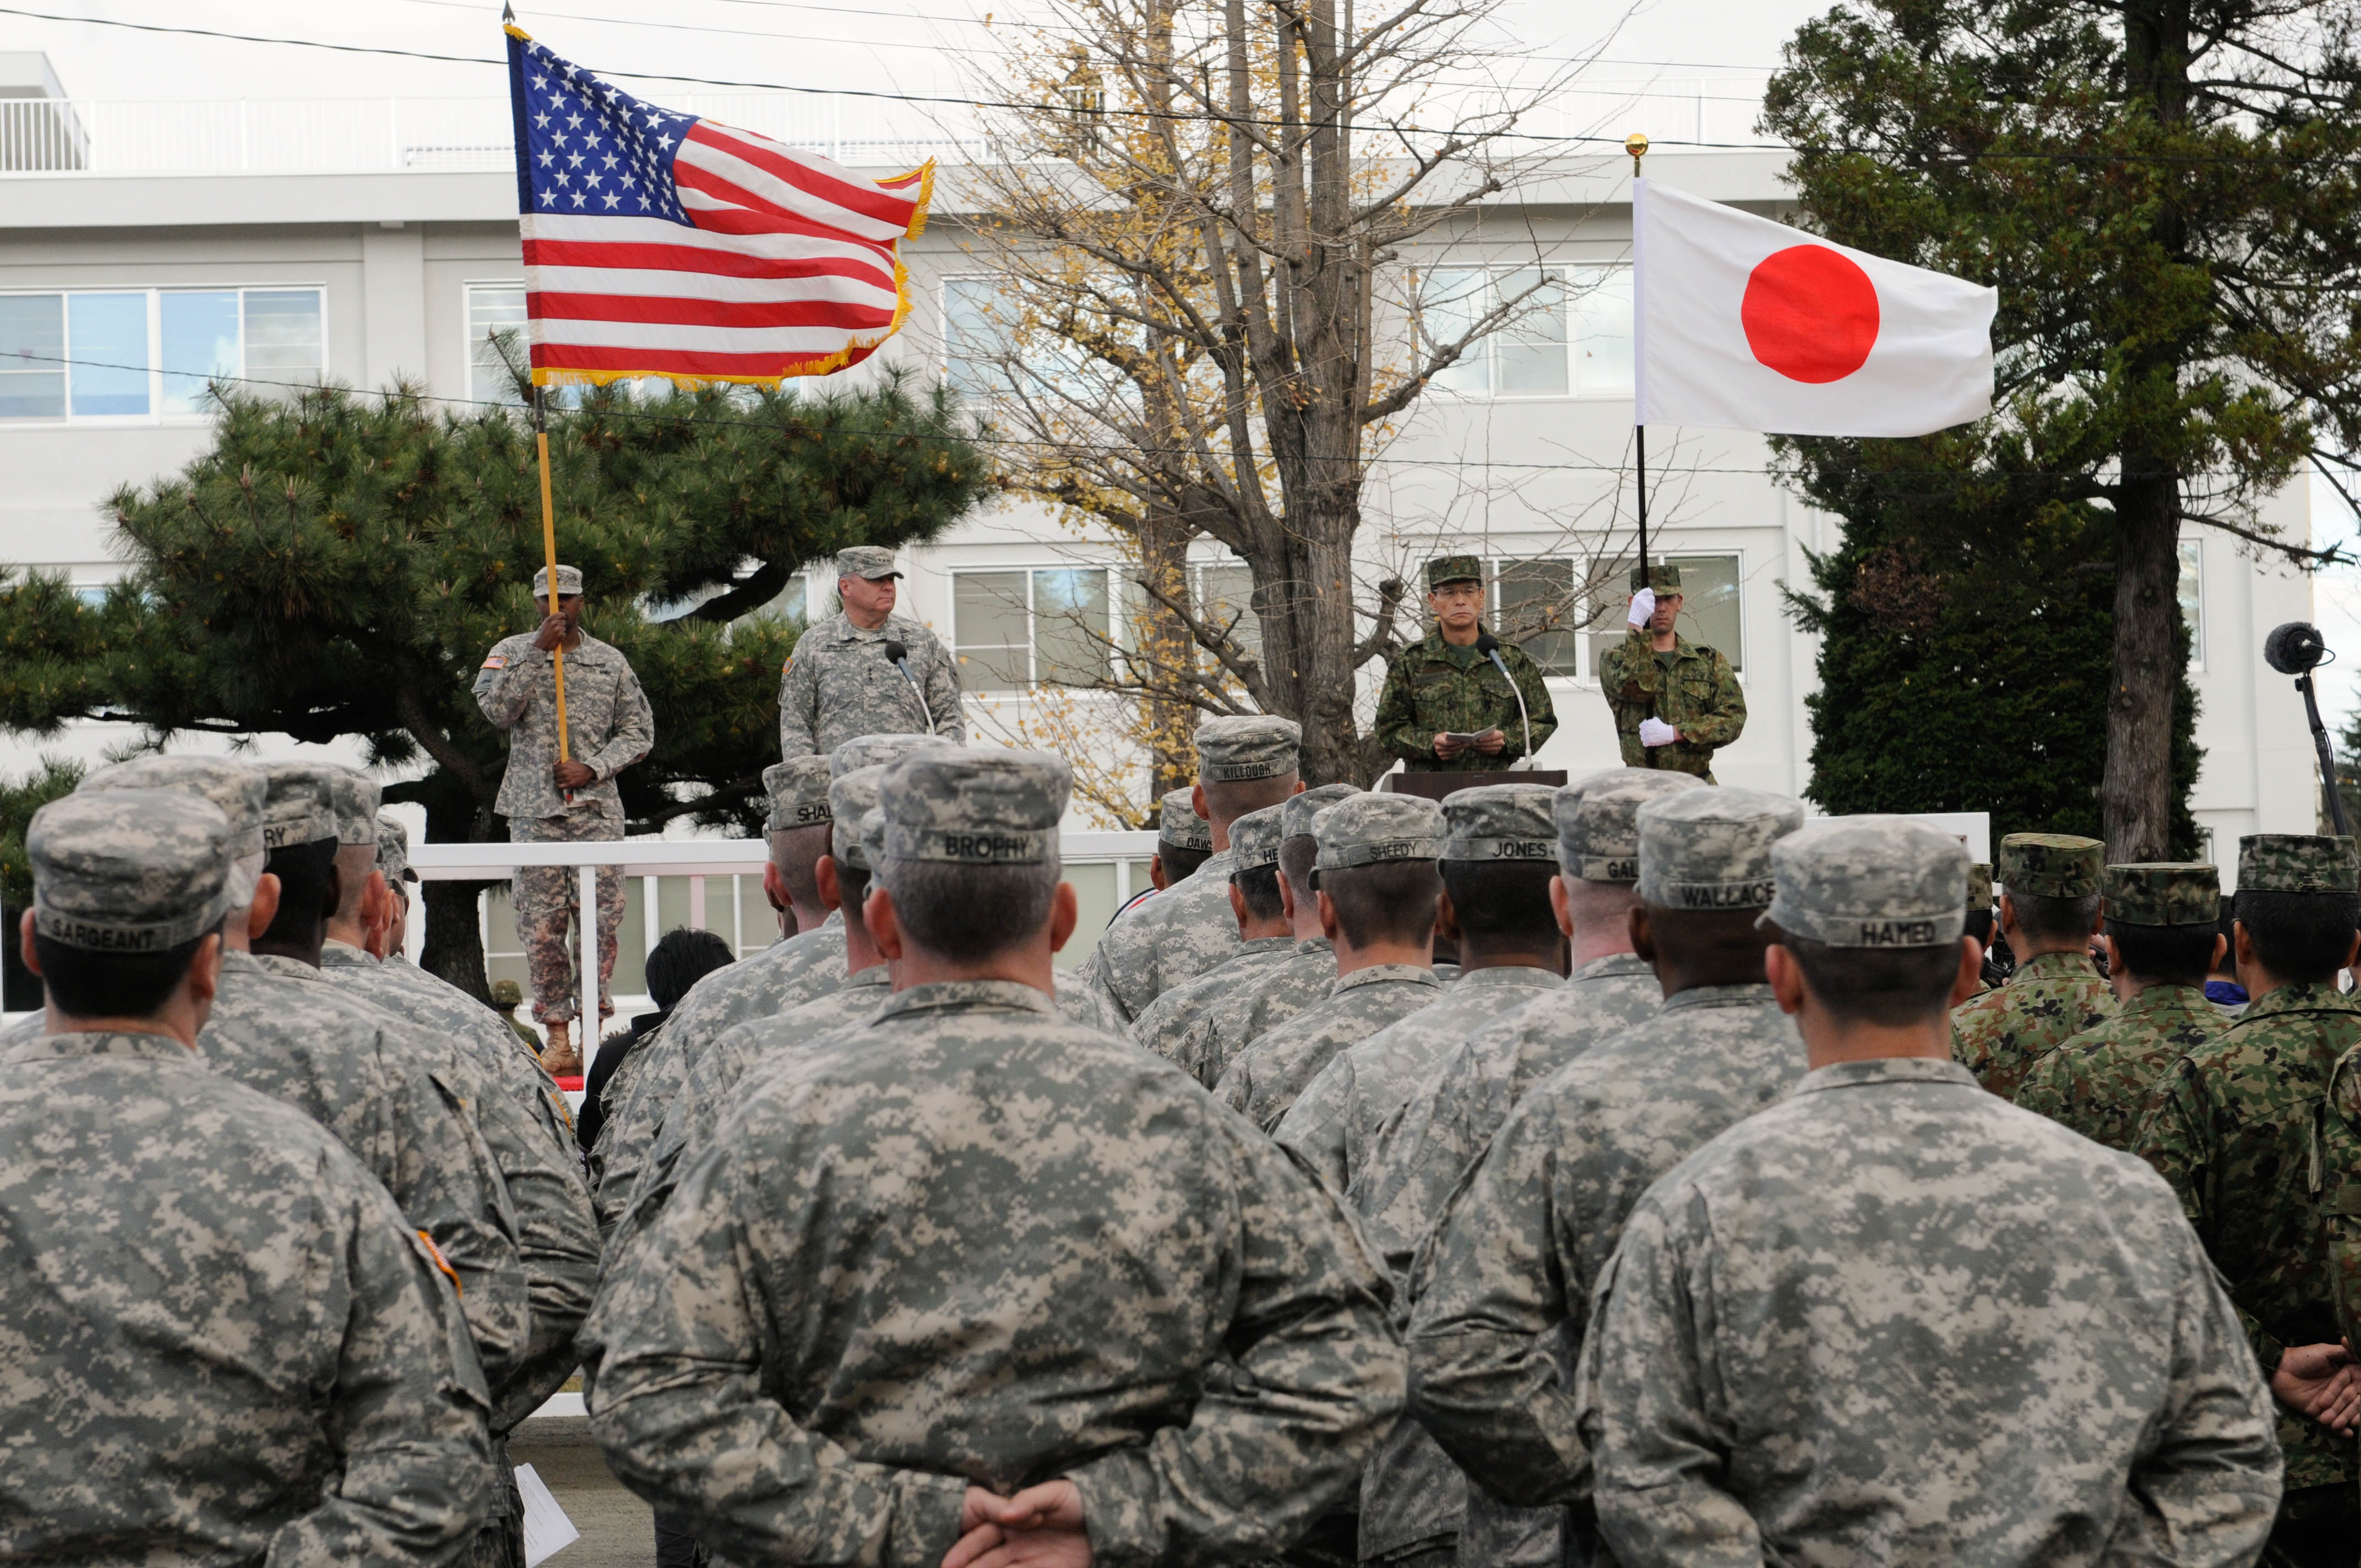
{"x":1748,"y":324}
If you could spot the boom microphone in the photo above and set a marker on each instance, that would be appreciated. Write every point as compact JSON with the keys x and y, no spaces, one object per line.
{"x":898,"y":655}
{"x":2295,"y":648}
{"x":1490,"y":646}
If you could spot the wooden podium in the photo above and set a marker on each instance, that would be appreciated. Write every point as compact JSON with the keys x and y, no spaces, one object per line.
{"x":1434,"y":786}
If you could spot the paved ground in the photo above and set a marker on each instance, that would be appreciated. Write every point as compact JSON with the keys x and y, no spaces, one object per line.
{"x":616,"y":1530}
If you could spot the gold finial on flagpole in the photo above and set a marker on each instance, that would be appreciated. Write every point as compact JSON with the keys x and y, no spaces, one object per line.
{"x":1637,"y":145}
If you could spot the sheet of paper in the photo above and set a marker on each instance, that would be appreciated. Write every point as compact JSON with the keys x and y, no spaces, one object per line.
{"x":547,"y":1530}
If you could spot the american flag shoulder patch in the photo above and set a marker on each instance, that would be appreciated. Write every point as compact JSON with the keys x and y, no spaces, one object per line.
{"x":496,"y":661}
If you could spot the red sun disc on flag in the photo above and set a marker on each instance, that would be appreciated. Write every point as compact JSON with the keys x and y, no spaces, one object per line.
{"x":1810,"y":314}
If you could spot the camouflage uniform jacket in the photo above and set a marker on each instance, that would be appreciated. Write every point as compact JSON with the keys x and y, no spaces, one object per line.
{"x":558,"y":1238}
{"x":1335,"y":1122}
{"x":1165,"y":942}
{"x":1700,"y":697}
{"x":223,"y":1342}
{"x":838,"y":686}
{"x":1501,"y":1290}
{"x":2340,"y":1199}
{"x":1169,"y":1019}
{"x":2051,"y":998}
{"x":1433,"y":689}
{"x":1301,"y":980}
{"x":1262,"y":1082}
{"x":2233,"y":1127}
{"x":977,"y":1243}
{"x":609,"y":724}
{"x":781,"y":976}
{"x":1780,"y":1368}
{"x":407,"y":1122}
{"x":2098,"y":1081}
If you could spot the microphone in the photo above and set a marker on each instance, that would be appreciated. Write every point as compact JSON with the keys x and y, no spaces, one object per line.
{"x":898,"y":655}
{"x":1490,"y":646}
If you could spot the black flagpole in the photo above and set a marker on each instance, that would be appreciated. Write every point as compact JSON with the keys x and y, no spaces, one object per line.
{"x":1637,"y":145}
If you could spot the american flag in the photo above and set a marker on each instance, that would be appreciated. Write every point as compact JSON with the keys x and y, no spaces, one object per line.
{"x":659,"y":244}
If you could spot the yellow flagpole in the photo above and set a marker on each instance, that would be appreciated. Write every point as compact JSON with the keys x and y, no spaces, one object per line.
{"x":549,"y":549}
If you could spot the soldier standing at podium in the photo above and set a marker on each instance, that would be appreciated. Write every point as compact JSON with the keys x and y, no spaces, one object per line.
{"x":1676,"y":702}
{"x":1461,"y":680}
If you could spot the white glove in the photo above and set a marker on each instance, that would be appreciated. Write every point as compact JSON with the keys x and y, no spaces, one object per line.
{"x":1644,"y":605}
{"x":1656,"y":733}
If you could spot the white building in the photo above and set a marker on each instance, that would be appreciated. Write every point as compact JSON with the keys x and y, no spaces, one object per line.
{"x":367,"y":241}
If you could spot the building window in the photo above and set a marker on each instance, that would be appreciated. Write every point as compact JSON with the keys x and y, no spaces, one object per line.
{"x":494,"y":309}
{"x":142,"y":354}
{"x":1572,"y":338}
{"x":1047,"y":626}
{"x":977,"y":331}
{"x":2191,"y":590}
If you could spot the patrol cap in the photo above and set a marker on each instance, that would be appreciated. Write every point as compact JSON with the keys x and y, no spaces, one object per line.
{"x":355,"y":797}
{"x":297,"y":806}
{"x":507,"y":993}
{"x":1178,"y":824}
{"x":974,"y":807}
{"x":1369,"y":829}
{"x":1979,"y":887}
{"x":1598,"y":820}
{"x":2054,"y":865}
{"x":876,"y":751}
{"x":873,"y":837}
{"x":1711,"y":848}
{"x":1238,"y":747}
{"x":1454,"y":569}
{"x":1499,"y":822}
{"x":2296,"y":863}
{"x":2163,"y":893}
{"x":236,"y":790}
{"x":871,"y":562}
{"x":393,"y":850}
{"x":1298,"y":810}
{"x":799,"y":792}
{"x":1870,"y":881}
{"x":129,"y":871}
{"x":1254,"y":839}
{"x":851,"y":796}
{"x":569,"y":582}
{"x":1661,"y":577}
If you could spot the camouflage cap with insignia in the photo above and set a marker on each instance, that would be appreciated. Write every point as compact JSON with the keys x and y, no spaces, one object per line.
{"x":298,"y":805}
{"x":393,"y":850}
{"x":355,"y":797}
{"x":507,"y":993}
{"x":1500,"y":822}
{"x":1661,"y":577}
{"x":1979,"y":887}
{"x":1870,"y":881}
{"x":1598,"y":820}
{"x":876,"y":751}
{"x":128,"y":871}
{"x":2049,"y":865}
{"x":569,"y":582}
{"x":2163,"y":893}
{"x":235,"y":788}
{"x":1298,"y":810}
{"x":870,"y":562}
{"x":799,"y":792}
{"x":1238,"y":747}
{"x":1454,"y":569}
{"x":1178,"y":824}
{"x":873,"y":837}
{"x":2296,"y":863}
{"x":1710,"y":848}
{"x":851,"y":796}
{"x":1369,"y":829}
{"x":975,"y":807}
{"x":1254,"y":839}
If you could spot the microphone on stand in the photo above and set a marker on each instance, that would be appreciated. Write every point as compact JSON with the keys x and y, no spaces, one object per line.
{"x":898,"y":656}
{"x":1490,"y":646}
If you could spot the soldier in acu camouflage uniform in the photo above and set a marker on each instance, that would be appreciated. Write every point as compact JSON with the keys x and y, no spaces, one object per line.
{"x":1445,"y":684}
{"x":2049,"y":911}
{"x":841,"y":685}
{"x":393,"y":864}
{"x":1500,"y":1293}
{"x":2234,"y":1125}
{"x":1264,"y":938}
{"x":2161,"y":942}
{"x":1892,"y":1319}
{"x":1676,"y":702}
{"x":1244,"y":763}
{"x":1097,"y":1291}
{"x":1377,"y":888}
{"x":223,"y":1342}
{"x":551,"y":800}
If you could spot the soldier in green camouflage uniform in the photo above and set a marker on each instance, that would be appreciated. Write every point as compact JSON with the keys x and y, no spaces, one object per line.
{"x":2234,"y":1125}
{"x":1446,"y":683}
{"x":1980,"y":919}
{"x":2161,"y":942}
{"x":1676,"y":702}
{"x":223,"y":1342}
{"x":1892,"y":1320}
{"x":1094,"y":1288}
{"x":2049,"y":909}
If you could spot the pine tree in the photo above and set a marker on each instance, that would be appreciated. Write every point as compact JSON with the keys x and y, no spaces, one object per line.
{"x":337,"y":564}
